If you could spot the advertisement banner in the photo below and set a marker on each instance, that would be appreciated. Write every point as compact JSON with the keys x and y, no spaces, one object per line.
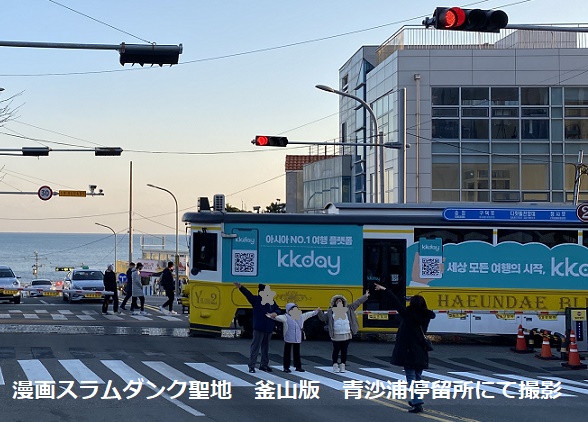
{"x":299,"y":254}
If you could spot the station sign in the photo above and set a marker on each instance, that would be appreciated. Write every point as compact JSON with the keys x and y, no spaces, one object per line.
{"x":511,"y":214}
{"x":77,"y":193}
{"x":582,"y":212}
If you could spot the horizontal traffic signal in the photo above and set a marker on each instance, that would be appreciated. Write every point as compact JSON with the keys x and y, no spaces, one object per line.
{"x":270,"y":141}
{"x":458,"y":19}
{"x":149,"y":54}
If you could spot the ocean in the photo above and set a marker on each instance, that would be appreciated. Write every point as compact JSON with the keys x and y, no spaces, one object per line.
{"x":22,"y":251}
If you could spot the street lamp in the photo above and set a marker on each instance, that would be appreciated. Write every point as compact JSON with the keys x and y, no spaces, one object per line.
{"x":377,"y":138}
{"x":115,"y":243}
{"x":177,"y":260}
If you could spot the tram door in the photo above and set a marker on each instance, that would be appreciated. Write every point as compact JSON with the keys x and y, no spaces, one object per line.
{"x":384,"y":262}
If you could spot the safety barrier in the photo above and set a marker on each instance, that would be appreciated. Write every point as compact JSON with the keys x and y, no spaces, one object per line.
{"x":53,"y":292}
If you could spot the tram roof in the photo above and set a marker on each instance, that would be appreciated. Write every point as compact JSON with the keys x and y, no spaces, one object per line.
{"x":383,"y":214}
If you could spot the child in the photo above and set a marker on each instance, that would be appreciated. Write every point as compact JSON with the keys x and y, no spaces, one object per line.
{"x":293,"y":322}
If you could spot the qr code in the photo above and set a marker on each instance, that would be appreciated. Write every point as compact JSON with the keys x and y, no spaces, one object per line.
{"x":245,"y":263}
{"x":430,"y":266}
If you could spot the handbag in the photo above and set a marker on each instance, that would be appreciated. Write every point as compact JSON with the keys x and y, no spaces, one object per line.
{"x":428,"y":343}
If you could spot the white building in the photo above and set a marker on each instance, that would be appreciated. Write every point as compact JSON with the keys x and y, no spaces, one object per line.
{"x":488,"y":117}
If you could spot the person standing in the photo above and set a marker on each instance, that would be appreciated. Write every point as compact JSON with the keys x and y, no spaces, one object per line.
{"x":137,"y":290}
{"x":167,"y":283}
{"x":410,"y":349}
{"x":293,"y":321}
{"x":128,"y":287}
{"x":263,"y":327}
{"x":110,"y":286}
{"x":342,"y":323}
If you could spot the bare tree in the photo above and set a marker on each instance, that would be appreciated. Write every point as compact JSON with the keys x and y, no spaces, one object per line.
{"x":7,"y":111}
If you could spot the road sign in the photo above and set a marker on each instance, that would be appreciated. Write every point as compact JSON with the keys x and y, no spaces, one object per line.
{"x":582,"y":212}
{"x":78,"y":193}
{"x":511,"y":214}
{"x":45,"y":193}
{"x":122,"y":278}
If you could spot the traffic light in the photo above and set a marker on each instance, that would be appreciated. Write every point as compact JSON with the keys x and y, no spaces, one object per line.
{"x":108,"y":151}
{"x":270,"y":141}
{"x":150,"y":54}
{"x":458,"y":19}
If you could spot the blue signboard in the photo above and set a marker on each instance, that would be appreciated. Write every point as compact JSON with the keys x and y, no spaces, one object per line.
{"x":293,"y":254}
{"x":513,"y":214}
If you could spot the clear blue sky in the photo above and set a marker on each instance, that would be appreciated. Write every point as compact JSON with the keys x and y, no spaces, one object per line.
{"x":209,"y":106}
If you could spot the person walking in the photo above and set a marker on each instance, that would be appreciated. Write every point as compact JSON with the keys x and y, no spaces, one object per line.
{"x":410,"y":350}
{"x":137,"y":290}
{"x":342,"y":324}
{"x":262,"y":326}
{"x":293,"y":321}
{"x":167,"y":283}
{"x":110,"y":286}
{"x":128,"y":290}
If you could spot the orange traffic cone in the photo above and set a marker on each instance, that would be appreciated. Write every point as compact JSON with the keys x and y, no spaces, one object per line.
{"x":573,"y":355}
{"x":545,"y":349}
{"x":521,"y":346}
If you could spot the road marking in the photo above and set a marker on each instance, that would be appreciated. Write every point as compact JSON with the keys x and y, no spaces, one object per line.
{"x":262,"y":375}
{"x":169,"y":318}
{"x":34,"y":370}
{"x":65,"y":312}
{"x":216,"y":373}
{"x":488,"y":388}
{"x":30,"y":316}
{"x":140,"y":317}
{"x":4,"y":316}
{"x":168,"y":371}
{"x":329,"y":382}
{"x":578,"y":383}
{"x":59,"y":317}
{"x":1,"y":377}
{"x":41,"y":311}
{"x":80,"y":371}
{"x":127,"y":374}
{"x":113,"y":317}
{"x":351,"y":375}
{"x":383,"y":372}
{"x":86,"y":317}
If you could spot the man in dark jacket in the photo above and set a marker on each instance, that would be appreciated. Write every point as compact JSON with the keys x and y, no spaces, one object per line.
{"x":110,"y":286}
{"x":263,"y":327}
{"x":128,"y":290}
{"x":167,"y":282}
{"x":410,"y":349}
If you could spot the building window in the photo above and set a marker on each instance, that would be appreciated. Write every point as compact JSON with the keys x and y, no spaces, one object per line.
{"x":576,"y":96}
{"x":445,"y":96}
{"x":474,"y":96}
{"x":474,"y":129}
{"x":505,"y":129}
{"x":535,"y":129}
{"x":505,"y":96}
{"x":535,"y":96}
{"x":445,"y":128}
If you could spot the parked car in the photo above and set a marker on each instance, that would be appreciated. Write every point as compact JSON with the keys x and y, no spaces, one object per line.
{"x":41,"y":283}
{"x":10,"y":284}
{"x":89,"y":280}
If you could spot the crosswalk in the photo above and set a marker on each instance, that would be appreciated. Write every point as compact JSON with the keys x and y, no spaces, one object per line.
{"x":165,"y":373}
{"x":83,"y":315}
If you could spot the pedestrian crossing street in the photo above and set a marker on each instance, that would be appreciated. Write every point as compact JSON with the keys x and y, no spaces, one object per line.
{"x":84,"y":315}
{"x":161,"y":373}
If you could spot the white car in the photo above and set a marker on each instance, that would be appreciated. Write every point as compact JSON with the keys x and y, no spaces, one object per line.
{"x":10,"y":285}
{"x":41,"y":283}
{"x":89,"y":280}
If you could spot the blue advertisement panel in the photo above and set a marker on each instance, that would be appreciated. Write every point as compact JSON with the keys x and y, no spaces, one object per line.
{"x":476,"y":264}
{"x":293,"y":254}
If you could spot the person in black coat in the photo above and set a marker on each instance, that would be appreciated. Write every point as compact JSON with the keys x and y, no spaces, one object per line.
{"x":167,"y":282}
{"x":263,"y":327}
{"x":410,"y":349}
{"x":110,"y":286}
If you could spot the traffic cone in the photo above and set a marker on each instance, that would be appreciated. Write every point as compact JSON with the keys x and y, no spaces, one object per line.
{"x":573,"y":355}
{"x":521,"y":346}
{"x":545,"y":349}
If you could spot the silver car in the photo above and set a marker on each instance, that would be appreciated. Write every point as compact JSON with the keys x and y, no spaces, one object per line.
{"x":10,"y":285}
{"x":45,"y":286}
{"x":90,"y":281}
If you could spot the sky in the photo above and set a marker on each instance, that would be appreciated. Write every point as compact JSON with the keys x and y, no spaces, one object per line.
{"x":247,"y":68}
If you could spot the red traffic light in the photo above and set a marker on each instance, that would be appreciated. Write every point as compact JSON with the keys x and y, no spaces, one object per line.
{"x":458,"y":19}
{"x":270,"y":141}
{"x":261,"y":141}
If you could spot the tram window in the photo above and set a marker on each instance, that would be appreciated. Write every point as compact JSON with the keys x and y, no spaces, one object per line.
{"x":585,"y":238}
{"x":204,"y":255}
{"x":453,"y":235}
{"x":549,"y":238}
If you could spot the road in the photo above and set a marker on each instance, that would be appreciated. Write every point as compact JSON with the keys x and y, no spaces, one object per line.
{"x":176,"y":370}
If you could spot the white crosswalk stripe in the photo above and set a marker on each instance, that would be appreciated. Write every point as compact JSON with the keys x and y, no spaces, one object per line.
{"x":35,"y":370}
{"x":1,"y":377}
{"x":334,"y":384}
{"x":79,"y":371}
{"x":265,"y":376}
{"x":351,"y":375}
{"x":168,"y":371}
{"x":129,"y":374}
{"x":563,"y":386}
{"x":215,"y":373}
